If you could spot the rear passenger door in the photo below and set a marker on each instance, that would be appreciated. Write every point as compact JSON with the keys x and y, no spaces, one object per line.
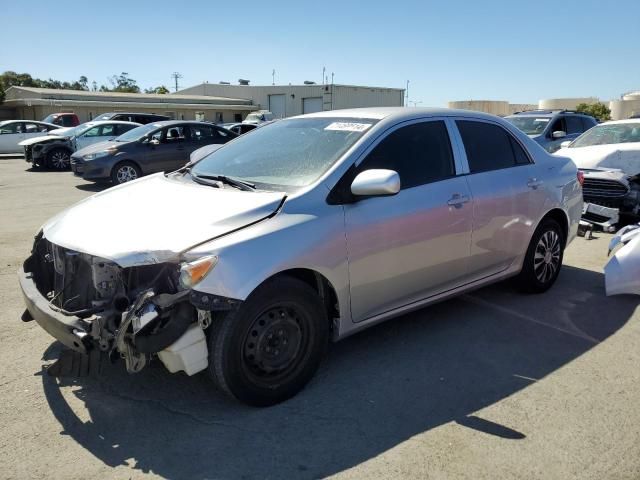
{"x":415,"y":244}
{"x":507,"y":196}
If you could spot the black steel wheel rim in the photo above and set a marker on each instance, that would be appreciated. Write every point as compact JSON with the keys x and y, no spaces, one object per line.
{"x":275,"y":343}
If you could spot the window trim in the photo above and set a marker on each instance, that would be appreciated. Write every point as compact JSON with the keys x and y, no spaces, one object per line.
{"x":510,"y":134}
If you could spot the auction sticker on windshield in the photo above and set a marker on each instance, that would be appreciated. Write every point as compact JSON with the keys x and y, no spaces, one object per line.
{"x":348,"y":126}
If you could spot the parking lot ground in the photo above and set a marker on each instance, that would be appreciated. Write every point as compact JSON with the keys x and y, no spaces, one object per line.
{"x":493,"y":385}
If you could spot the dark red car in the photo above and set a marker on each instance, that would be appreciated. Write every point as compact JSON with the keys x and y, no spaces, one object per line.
{"x":63,"y":119}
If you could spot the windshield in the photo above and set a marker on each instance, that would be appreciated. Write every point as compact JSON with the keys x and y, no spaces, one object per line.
{"x":103,"y":116}
{"x":289,"y":153}
{"x":607,"y":134}
{"x":254,"y":117}
{"x":137,"y":133}
{"x":50,"y":118}
{"x":530,"y":125}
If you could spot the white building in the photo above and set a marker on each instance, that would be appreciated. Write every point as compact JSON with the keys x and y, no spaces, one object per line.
{"x":289,"y":100}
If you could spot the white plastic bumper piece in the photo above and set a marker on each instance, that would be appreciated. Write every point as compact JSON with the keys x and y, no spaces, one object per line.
{"x":189,"y":353}
{"x":622,"y":272}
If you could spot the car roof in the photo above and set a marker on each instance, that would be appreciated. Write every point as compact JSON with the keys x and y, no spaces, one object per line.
{"x":134,"y":113}
{"x":7,"y":122}
{"x":547,"y":113}
{"x":622,"y":122}
{"x":164,"y":123}
{"x":117,"y":122}
{"x":398,"y":113}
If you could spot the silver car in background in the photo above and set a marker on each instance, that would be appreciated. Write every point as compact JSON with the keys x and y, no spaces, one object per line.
{"x":248,"y":262}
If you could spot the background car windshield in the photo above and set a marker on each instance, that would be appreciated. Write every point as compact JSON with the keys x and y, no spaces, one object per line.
{"x":290,"y":153}
{"x":103,"y":116}
{"x":137,"y":133}
{"x":608,"y":134}
{"x":49,"y":118}
{"x":529,"y":125}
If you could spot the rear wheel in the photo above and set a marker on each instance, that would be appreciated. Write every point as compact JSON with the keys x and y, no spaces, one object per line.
{"x":125,"y":172}
{"x":266,"y":351}
{"x":59,"y":159}
{"x":543,"y":260}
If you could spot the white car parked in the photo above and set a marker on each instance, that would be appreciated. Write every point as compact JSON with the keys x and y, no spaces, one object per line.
{"x":12,"y":132}
{"x":54,"y":150}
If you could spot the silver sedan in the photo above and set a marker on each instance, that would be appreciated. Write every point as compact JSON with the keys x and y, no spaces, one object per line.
{"x":249,"y":261}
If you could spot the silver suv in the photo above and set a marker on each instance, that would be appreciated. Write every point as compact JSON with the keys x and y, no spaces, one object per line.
{"x":249,"y":261}
{"x":551,"y":128}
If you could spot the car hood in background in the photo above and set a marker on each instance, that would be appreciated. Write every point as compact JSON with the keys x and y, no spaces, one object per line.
{"x":621,"y":156}
{"x":155,"y":218}
{"x":98,"y":147}
{"x":44,"y":138}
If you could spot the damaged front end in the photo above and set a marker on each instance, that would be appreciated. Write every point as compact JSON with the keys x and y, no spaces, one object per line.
{"x":136,"y":312}
{"x":610,"y":195}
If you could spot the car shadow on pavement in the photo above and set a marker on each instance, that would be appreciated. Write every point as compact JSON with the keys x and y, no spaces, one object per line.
{"x":375,"y":391}
{"x":94,"y":187}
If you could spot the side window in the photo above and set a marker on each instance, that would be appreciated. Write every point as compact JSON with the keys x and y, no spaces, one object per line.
{"x":31,"y":128}
{"x":574,"y":125}
{"x":92,"y":132}
{"x":488,"y":146}
{"x":420,"y":153}
{"x":221,"y":133}
{"x":107,"y":131}
{"x":10,"y":128}
{"x":587,"y":123}
{"x":67,"y":120}
{"x":175,"y":134}
{"x":237,"y":117}
{"x":201,"y":132}
{"x":518,"y":152}
{"x":121,"y":128}
{"x":141,"y":119}
{"x":558,"y":126}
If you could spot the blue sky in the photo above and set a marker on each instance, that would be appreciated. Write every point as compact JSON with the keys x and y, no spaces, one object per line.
{"x":449,"y":50}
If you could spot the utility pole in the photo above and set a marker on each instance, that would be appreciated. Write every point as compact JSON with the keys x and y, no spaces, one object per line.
{"x":273,"y":77}
{"x":176,"y":76}
{"x":407,"y":95}
{"x":323,"y":70}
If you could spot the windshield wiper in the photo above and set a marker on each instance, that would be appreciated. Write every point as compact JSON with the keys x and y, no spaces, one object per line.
{"x":234,"y":182}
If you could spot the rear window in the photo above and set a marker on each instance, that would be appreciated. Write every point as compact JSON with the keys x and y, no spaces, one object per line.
{"x":489,"y":147}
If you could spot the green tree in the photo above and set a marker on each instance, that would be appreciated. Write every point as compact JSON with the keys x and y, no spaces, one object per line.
{"x":1,"y":94}
{"x":597,"y":110}
{"x":162,"y":90}
{"x":121,"y":83}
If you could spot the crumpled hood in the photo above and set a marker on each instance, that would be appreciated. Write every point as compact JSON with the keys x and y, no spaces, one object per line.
{"x":153,"y":219}
{"x":622,"y":156}
{"x":44,"y":138}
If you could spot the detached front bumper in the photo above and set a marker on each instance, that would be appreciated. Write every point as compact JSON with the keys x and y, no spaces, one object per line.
{"x":69,"y":330}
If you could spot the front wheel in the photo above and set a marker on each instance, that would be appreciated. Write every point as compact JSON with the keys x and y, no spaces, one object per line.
{"x":266,"y":351}
{"x":59,"y":159}
{"x":125,"y":172}
{"x":543,"y":260}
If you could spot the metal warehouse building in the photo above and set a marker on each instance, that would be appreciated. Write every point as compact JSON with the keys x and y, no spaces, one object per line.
{"x":36,"y":103}
{"x":289,"y":100}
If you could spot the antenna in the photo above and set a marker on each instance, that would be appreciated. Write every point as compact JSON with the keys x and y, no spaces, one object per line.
{"x":176,"y":76}
{"x":407,"y":95}
{"x":323,"y":70}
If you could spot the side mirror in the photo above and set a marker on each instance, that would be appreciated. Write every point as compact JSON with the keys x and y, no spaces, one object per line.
{"x":565,"y":144}
{"x":376,"y":182}
{"x":558,"y":134}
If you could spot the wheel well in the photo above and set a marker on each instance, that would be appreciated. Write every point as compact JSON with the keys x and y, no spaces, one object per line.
{"x":320,"y":285}
{"x":559,"y":216}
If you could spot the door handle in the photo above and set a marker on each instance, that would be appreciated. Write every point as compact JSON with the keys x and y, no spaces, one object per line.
{"x":534,"y":183}
{"x":457,"y":200}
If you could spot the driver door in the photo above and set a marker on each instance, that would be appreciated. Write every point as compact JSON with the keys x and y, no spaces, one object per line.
{"x":167,"y":150}
{"x":415,"y":244}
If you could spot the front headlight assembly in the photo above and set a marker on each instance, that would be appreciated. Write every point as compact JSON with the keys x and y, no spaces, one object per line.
{"x":193,"y":272}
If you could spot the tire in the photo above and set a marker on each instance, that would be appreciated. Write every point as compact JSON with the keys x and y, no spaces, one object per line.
{"x":59,"y":159}
{"x":125,"y":172}
{"x":269,"y":348}
{"x":543,"y":260}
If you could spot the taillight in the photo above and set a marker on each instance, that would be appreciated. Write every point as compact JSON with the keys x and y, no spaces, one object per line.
{"x":580,"y":176}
